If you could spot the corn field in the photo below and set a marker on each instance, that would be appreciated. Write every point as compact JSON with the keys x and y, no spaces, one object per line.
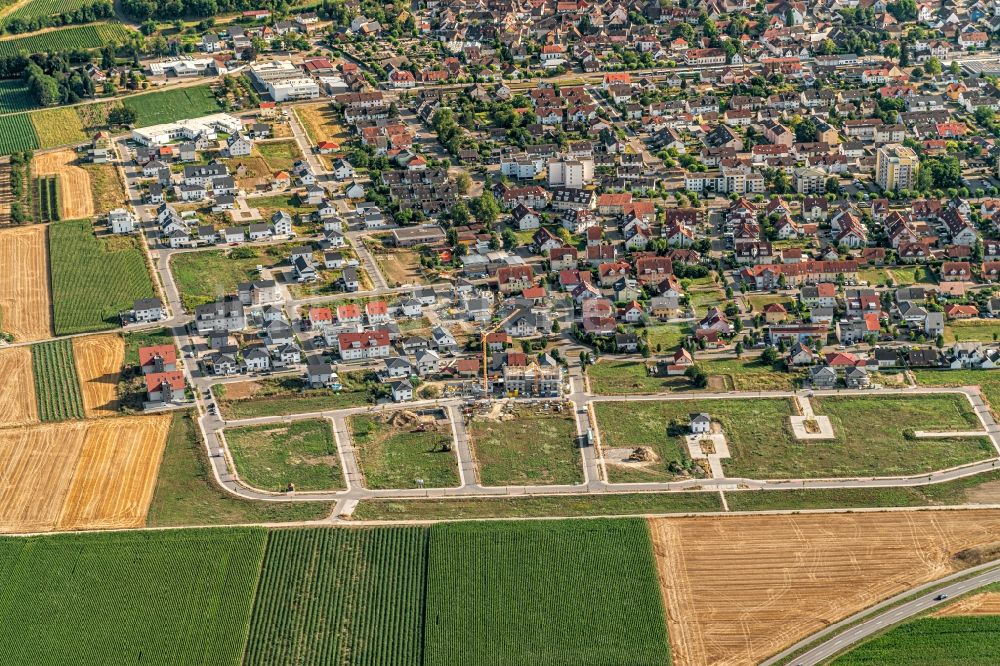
{"x":335,"y":596}
{"x":57,"y":386}
{"x":169,"y":598}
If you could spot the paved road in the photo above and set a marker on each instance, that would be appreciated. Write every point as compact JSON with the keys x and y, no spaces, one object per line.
{"x":894,"y":615}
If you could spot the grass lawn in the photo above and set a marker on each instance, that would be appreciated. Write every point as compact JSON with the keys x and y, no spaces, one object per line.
{"x":278,"y":396}
{"x":279,"y":155}
{"x":758,"y":301}
{"x":763,"y":447}
{"x":978,"y":489}
{"x":274,"y":456}
{"x":187,"y":494}
{"x":202,"y":276}
{"x":666,"y":337}
{"x":911,"y":275}
{"x":166,"y":106}
{"x":932,"y":641}
{"x":629,"y":378}
{"x":987,"y":380}
{"x":136,"y":339}
{"x":754,"y":422}
{"x":747,"y":375}
{"x":870,"y":438}
{"x":535,"y":447}
{"x":972,"y":330}
{"x":538,"y":507}
{"x":874,"y":276}
{"x":394,"y":455}
{"x":702,"y":300}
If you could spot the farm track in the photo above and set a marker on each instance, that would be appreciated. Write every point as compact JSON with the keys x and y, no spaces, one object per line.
{"x":99,"y":359}
{"x":75,"y":200}
{"x":18,"y":405}
{"x":25,"y":304}
{"x":739,"y":589}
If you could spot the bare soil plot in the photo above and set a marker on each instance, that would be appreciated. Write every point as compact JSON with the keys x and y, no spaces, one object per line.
{"x":80,"y":474}
{"x":25,"y":305}
{"x":116,"y":473}
{"x":986,"y":603}
{"x":75,"y":198}
{"x":740,"y":589}
{"x":36,"y":469}
{"x":99,"y":360}
{"x":17,"y":399}
{"x":400,"y":267}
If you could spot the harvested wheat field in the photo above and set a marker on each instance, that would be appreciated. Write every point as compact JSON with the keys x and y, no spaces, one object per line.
{"x":116,"y":473}
{"x":36,"y":470}
{"x":75,"y":198}
{"x":985,"y":603}
{"x":99,"y":360}
{"x":740,"y":589}
{"x":18,"y":405}
{"x":25,"y":304}
{"x":81,"y":474}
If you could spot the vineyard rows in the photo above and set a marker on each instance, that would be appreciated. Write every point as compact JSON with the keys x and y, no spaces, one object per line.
{"x":57,"y":386}
{"x":86,"y":37}
{"x":34,"y":9}
{"x":93,"y":279}
{"x":171,"y":598}
{"x":330,"y":596}
{"x":46,"y":201}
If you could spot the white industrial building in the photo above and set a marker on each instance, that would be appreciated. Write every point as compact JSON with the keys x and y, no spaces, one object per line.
{"x":284,"y":81}
{"x":183,"y":66}
{"x":190,"y":129}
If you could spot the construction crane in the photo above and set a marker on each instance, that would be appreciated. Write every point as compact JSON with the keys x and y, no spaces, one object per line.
{"x":484,"y":334}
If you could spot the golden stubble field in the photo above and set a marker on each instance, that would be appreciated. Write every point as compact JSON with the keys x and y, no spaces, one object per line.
{"x":99,"y":360}
{"x":80,"y":475}
{"x":739,"y":589}
{"x":985,"y":603}
{"x":18,"y":405}
{"x":25,"y":304}
{"x":75,"y":198}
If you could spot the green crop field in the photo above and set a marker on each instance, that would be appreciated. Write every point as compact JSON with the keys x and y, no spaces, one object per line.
{"x":61,"y":126}
{"x":57,"y":386}
{"x":93,"y":279}
{"x":334,"y":596}
{"x":17,"y":134}
{"x":15,"y":96}
{"x":166,"y":598}
{"x":568,"y":592}
{"x":186,"y":492}
{"x":393,"y":456}
{"x":169,"y":105}
{"x":85,"y":37}
{"x":932,"y":641}
{"x":273,"y":456}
